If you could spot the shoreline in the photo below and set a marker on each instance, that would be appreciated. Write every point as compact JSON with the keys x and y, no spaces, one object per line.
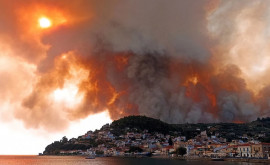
{"x":225,"y":159}
{"x":204,"y":159}
{"x":247,"y":160}
{"x":180,"y":158}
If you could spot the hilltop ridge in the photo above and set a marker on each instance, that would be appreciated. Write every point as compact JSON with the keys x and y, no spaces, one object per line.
{"x":142,"y":123}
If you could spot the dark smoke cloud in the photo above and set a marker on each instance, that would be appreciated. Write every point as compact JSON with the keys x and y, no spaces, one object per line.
{"x":167,"y":60}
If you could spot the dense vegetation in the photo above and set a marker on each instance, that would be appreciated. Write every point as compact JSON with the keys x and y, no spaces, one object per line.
{"x":135,"y":149}
{"x":181,"y":151}
{"x":141,"y":123}
{"x":57,"y":146}
{"x":230,"y":131}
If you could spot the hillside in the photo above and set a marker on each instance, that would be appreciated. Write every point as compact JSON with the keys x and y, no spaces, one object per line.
{"x":108,"y":135}
{"x":141,"y":123}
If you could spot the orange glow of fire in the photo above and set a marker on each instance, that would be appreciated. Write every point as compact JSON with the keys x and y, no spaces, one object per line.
{"x":121,"y":61}
{"x":193,"y":79}
{"x":198,"y":88}
{"x":114,"y":96}
{"x":238,"y":122}
{"x":191,"y":91}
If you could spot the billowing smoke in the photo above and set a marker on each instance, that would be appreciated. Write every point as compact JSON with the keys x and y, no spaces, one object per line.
{"x":179,"y":61}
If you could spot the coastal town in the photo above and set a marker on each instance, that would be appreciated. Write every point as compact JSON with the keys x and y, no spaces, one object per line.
{"x":138,"y":142}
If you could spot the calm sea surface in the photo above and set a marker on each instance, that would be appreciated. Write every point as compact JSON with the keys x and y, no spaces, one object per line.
{"x":56,"y":160}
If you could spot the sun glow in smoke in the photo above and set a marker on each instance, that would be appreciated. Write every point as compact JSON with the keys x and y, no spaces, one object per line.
{"x":45,"y":22}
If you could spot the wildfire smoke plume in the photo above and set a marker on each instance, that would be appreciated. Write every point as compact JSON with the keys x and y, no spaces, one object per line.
{"x":182,"y":61}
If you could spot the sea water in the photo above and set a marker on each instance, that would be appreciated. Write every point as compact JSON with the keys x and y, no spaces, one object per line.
{"x":77,"y":160}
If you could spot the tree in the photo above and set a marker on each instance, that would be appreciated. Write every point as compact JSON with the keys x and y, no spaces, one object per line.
{"x":181,"y":151}
{"x":99,"y":152}
{"x":265,"y":139}
{"x":64,"y":140}
{"x":170,"y":142}
{"x":135,"y":149}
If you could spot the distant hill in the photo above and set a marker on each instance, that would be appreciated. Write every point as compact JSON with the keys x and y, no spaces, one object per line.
{"x":258,"y":129}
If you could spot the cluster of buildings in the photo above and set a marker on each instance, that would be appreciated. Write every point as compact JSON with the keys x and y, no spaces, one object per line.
{"x":164,"y":145}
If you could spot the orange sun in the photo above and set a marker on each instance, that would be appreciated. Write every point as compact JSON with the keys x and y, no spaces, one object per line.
{"x":44,"y":22}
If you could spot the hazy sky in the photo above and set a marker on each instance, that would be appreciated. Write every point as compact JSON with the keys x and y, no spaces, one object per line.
{"x":68,"y":66}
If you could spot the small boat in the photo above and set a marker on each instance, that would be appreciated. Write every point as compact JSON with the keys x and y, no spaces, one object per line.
{"x":90,"y":157}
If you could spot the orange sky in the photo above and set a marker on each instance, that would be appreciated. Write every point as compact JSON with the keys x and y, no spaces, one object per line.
{"x":19,"y":60}
{"x":70,"y":66}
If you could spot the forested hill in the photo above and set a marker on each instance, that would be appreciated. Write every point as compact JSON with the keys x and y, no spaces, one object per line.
{"x":141,"y":123}
{"x":257,"y":130}
{"x":226,"y":130}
